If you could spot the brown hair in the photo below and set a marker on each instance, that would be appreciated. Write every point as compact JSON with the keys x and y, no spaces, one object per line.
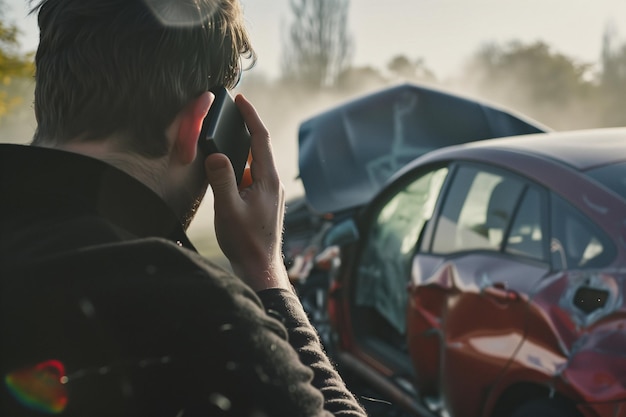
{"x":127,"y":67}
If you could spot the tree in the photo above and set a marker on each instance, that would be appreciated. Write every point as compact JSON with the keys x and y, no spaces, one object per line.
{"x":359,"y":79}
{"x":402,"y":67}
{"x":613,"y":79}
{"x":319,"y":46}
{"x":536,"y":80}
{"x":14,"y":65}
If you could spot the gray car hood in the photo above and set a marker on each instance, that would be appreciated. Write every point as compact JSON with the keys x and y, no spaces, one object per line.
{"x":347,"y":153}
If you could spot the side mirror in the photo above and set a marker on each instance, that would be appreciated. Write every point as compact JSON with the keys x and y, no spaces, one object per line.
{"x":341,"y":234}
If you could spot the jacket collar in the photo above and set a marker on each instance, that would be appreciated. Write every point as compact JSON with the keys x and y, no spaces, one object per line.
{"x":49,"y":180}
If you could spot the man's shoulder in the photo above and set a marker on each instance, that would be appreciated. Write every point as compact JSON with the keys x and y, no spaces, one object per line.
{"x":154,"y":260}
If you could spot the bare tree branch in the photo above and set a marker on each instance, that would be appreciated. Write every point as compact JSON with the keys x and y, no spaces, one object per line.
{"x":319,"y":46}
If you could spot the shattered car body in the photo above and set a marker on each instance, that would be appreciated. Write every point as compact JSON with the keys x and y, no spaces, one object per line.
{"x":485,"y":279}
{"x":590,"y":330}
{"x":570,"y":343}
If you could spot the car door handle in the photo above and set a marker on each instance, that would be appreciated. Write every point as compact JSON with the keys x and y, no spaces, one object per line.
{"x":500,"y":291}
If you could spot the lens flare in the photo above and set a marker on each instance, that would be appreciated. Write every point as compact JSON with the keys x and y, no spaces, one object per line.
{"x":40,"y":387}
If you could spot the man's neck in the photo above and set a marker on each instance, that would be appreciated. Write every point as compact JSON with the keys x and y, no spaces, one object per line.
{"x":148,"y":171}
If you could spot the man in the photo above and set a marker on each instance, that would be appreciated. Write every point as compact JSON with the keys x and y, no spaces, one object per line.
{"x":107,"y":310}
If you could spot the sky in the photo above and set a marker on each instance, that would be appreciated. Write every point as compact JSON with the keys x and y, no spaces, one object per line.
{"x":442,"y":32}
{"x":445,"y":32}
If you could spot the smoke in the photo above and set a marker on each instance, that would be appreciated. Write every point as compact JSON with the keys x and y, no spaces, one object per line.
{"x":511,"y":94}
{"x":537,"y":81}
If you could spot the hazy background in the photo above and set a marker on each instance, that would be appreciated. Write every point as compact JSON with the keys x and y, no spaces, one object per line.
{"x":443,"y":32}
{"x":562,"y":62}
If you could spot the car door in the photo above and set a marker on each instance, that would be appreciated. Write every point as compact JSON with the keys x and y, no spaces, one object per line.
{"x":391,"y":230}
{"x":482,"y":255}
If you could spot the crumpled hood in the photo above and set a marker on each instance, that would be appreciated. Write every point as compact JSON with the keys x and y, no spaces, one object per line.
{"x":347,"y":153}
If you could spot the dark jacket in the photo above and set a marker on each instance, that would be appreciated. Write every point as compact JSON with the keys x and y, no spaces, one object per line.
{"x":108,"y":310}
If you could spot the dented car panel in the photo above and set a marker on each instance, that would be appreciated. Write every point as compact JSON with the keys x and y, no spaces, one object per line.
{"x":477,"y":289}
{"x":568,"y":347}
{"x":587,"y":314}
{"x":575,"y":342}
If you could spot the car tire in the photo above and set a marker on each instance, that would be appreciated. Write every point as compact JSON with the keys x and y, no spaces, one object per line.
{"x":546,"y":407}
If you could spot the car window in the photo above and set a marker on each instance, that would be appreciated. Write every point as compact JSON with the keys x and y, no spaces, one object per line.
{"x":477,"y":211}
{"x":526,"y":236}
{"x":394,"y":231}
{"x":576,"y":241}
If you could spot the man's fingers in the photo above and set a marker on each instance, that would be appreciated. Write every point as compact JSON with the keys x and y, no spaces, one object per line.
{"x":221,"y":177}
{"x":261,"y":149}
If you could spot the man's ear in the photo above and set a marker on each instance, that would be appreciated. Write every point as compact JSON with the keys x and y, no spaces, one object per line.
{"x":191,"y":118}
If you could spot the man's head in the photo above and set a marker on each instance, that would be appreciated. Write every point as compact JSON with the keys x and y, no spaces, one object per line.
{"x":124,"y":69}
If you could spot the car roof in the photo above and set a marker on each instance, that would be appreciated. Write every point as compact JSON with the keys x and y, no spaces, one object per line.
{"x":581,"y":149}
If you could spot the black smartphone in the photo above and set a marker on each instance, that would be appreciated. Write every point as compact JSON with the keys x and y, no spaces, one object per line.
{"x":224,"y":131}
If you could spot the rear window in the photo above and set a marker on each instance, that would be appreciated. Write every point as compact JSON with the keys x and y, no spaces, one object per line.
{"x":611,"y":176}
{"x":577,"y":243}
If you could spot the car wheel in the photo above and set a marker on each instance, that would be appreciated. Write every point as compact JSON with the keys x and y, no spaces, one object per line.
{"x":546,"y":407}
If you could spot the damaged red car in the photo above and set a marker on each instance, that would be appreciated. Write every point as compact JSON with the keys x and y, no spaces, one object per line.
{"x":484,"y":279}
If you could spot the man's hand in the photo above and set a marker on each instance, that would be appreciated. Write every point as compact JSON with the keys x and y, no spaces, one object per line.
{"x":249,"y":221}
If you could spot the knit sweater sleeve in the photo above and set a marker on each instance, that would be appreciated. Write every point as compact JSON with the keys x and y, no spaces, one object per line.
{"x":286,"y":307}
